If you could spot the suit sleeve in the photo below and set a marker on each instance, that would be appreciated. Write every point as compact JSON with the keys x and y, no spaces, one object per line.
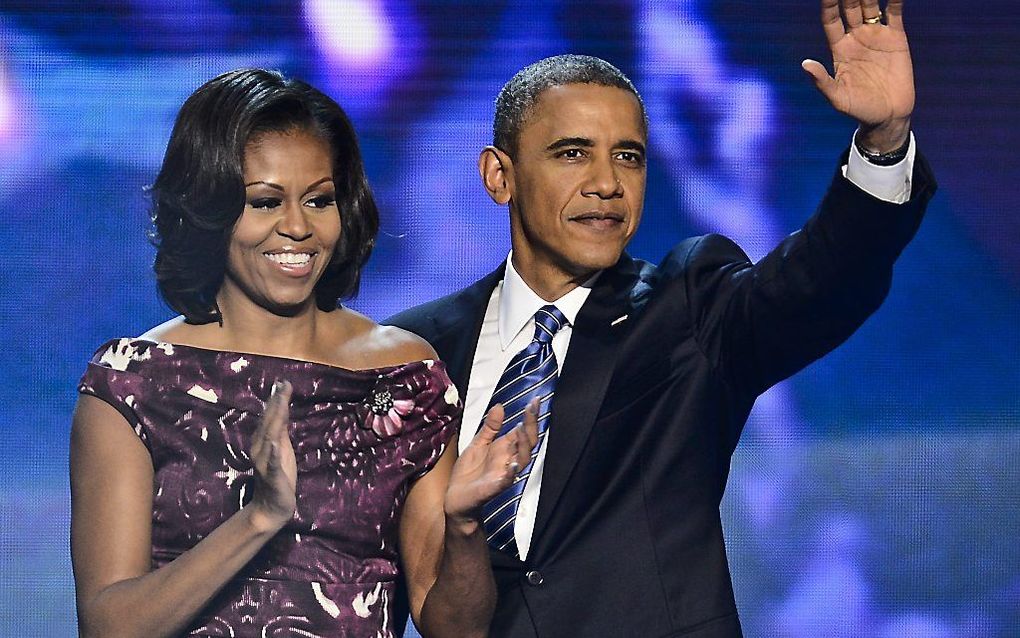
{"x":760,"y":323}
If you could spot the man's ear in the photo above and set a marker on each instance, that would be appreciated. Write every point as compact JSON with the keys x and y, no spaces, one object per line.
{"x":497,"y":171}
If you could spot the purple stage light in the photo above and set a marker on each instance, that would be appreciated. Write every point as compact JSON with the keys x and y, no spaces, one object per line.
{"x":350,"y":33}
{"x":13,"y":120}
{"x":363,"y":47}
{"x":6,"y":103}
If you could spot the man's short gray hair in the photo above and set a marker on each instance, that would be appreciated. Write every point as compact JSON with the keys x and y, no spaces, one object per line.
{"x":519,"y":95}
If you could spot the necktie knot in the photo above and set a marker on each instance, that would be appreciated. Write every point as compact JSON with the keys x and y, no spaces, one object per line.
{"x":548,"y":320}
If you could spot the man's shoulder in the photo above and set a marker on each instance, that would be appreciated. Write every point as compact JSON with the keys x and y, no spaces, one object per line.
{"x":689,"y":255}
{"x":709,"y":248}
{"x":433,"y":317}
{"x":423,"y":315}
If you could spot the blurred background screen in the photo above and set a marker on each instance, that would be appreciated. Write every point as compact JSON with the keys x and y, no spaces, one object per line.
{"x":876,"y":493}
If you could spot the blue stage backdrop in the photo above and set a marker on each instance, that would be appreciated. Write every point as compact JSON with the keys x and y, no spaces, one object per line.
{"x":877,"y":493}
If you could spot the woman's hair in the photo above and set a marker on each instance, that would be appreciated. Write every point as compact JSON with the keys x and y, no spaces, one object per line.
{"x":199,"y":193}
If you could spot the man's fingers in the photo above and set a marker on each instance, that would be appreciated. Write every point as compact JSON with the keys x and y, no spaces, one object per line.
{"x":531,"y":414}
{"x":823,"y":81}
{"x":832,"y":22}
{"x":894,"y":14}
{"x":524,"y":451}
{"x":512,"y":453}
{"x":524,"y":437}
{"x":512,"y":450}
{"x":870,"y":10}
{"x":491,"y":425}
{"x":852,"y":13}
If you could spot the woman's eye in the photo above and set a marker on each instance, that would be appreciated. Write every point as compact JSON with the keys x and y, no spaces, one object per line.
{"x":264,"y":203}
{"x":322,"y":201}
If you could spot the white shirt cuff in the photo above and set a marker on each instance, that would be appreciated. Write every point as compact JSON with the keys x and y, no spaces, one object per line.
{"x":888,"y":183}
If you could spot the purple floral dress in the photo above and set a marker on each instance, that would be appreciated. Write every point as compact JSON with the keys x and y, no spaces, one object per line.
{"x":360,"y":436}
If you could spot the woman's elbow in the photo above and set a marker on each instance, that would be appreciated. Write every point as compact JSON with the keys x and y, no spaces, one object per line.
{"x":97,"y":619}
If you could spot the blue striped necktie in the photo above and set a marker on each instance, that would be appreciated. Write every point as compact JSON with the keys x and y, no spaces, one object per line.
{"x":531,"y":373}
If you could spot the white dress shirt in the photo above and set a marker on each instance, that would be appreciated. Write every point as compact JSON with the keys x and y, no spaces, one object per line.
{"x":509,"y":325}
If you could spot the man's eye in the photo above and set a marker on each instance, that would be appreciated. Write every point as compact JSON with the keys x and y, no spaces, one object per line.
{"x":572,"y":153}
{"x":264,"y":203}
{"x":322,"y":201}
{"x":631,"y":157}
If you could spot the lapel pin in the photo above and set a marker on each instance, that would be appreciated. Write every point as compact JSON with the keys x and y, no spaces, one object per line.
{"x":619,"y":320}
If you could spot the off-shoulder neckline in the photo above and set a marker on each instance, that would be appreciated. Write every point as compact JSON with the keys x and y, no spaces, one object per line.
{"x":213,"y":351}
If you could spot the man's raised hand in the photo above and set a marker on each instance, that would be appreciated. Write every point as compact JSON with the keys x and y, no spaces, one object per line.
{"x":873,"y":79}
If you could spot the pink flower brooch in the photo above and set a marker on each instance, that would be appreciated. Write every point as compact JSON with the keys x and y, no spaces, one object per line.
{"x":386,"y":413}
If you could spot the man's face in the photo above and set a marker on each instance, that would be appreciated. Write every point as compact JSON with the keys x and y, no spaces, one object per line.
{"x":577,"y":182}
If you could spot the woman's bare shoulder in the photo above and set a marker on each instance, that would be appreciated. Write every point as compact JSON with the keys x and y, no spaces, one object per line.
{"x":370,"y":345}
{"x":169,"y":331}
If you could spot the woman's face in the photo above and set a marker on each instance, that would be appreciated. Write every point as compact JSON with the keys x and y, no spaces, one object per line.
{"x":290,"y":226}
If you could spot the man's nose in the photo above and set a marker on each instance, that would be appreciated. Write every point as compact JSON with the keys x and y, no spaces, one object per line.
{"x":603,"y":182}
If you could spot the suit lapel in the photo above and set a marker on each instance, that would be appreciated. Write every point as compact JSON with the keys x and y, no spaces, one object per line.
{"x":582,"y":384}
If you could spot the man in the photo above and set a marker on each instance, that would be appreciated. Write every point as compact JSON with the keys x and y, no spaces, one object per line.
{"x":646,"y":374}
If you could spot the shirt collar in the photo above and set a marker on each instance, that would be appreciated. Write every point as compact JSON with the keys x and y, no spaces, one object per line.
{"x":518,"y":303}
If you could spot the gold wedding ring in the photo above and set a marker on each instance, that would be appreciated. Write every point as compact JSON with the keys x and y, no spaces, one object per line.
{"x":876,"y":20}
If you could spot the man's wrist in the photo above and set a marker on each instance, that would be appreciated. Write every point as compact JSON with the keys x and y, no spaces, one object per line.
{"x":882,"y":157}
{"x":883,"y":139}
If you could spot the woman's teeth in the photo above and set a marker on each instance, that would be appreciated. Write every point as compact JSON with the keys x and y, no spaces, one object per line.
{"x":290,"y":259}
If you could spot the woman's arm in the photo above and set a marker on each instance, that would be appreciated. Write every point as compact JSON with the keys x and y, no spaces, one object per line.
{"x":118,"y":594}
{"x":442,"y":541}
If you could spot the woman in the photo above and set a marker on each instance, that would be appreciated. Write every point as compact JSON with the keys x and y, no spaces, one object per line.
{"x":251,"y":467}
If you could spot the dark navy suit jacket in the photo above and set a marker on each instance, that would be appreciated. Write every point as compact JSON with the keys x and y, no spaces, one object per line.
{"x":648,"y":410}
